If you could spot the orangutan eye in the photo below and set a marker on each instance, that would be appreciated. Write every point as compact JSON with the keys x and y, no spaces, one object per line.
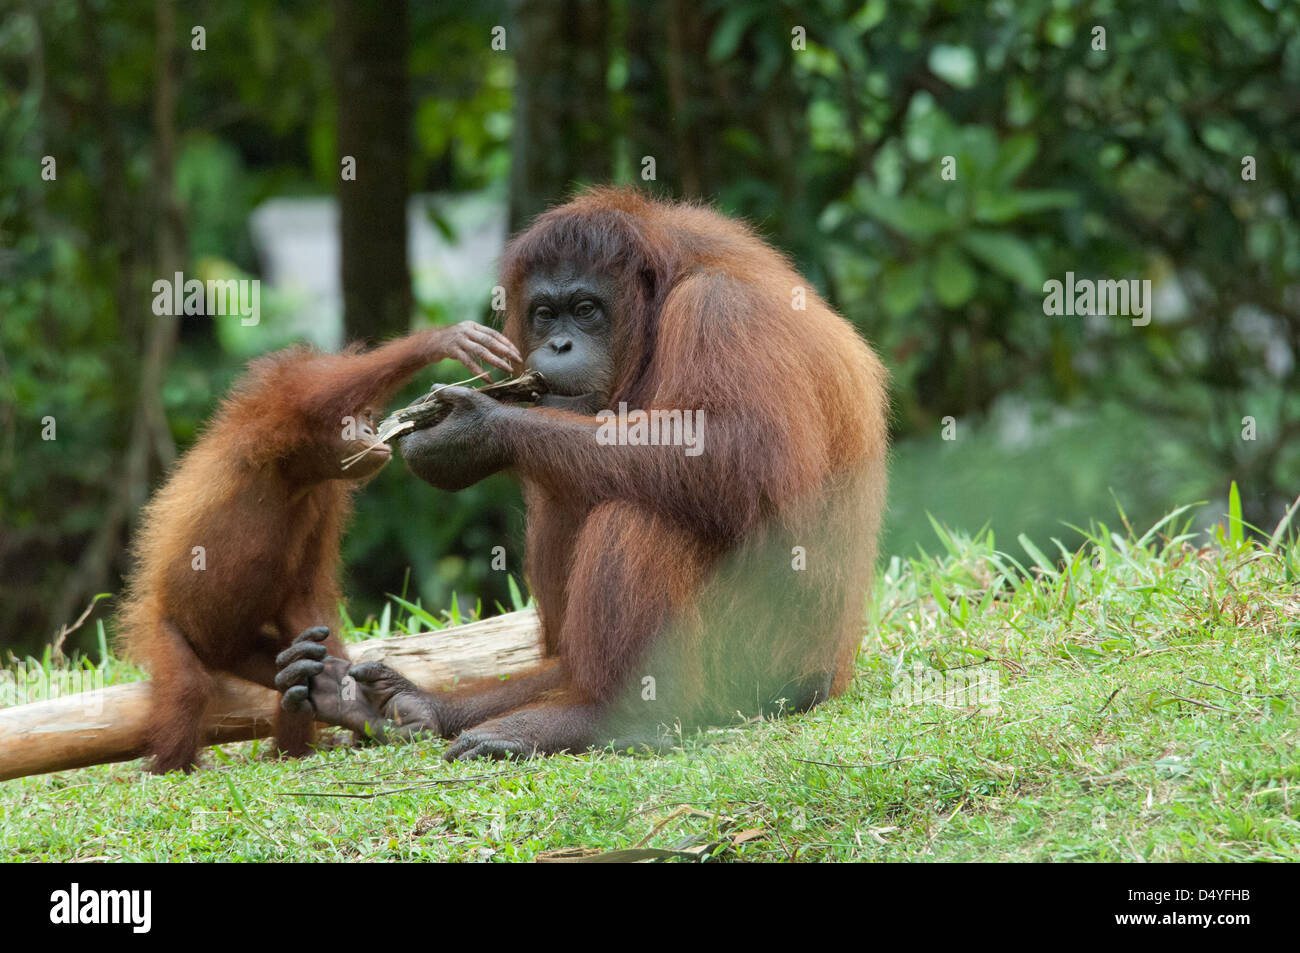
{"x":543,"y":314}
{"x":585,"y":309}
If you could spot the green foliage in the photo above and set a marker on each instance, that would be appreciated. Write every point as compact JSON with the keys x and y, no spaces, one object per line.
{"x":1123,"y":162}
{"x":1235,"y":534}
{"x":960,"y":156}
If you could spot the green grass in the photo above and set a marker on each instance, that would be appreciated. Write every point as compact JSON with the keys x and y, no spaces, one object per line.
{"x":1148,"y":692}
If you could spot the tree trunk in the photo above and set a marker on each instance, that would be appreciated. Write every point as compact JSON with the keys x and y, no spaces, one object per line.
{"x":110,"y":724}
{"x":561,"y":111}
{"x":644,"y":38}
{"x":374,"y":114}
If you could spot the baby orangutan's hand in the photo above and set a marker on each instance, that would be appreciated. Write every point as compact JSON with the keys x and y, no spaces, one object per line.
{"x":470,"y":342}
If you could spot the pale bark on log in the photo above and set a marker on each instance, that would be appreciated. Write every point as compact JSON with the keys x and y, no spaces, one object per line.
{"x":111,"y":724}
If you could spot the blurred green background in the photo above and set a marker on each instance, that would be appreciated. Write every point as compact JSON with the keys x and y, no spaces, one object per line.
{"x":1104,"y":138}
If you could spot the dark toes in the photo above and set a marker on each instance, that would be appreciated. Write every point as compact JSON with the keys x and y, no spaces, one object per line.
{"x":317,"y":633}
{"x":296,"y":700}
{"x":471,"y":746}
{"x":297,"y":674}
{"x":368,"y":671}
{"x":301,"y":650}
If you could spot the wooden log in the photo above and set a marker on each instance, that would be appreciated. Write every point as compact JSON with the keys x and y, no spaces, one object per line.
{"x":110,"y":724}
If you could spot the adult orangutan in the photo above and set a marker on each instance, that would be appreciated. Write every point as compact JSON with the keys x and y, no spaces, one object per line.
{"x":674,"y":589}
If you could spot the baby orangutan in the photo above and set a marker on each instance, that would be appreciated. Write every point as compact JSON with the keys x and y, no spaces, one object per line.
{"x":238,"y":552}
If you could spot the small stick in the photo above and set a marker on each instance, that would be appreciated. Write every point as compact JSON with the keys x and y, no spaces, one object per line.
{"x":380,"y":440}
{"x":430,"y":410}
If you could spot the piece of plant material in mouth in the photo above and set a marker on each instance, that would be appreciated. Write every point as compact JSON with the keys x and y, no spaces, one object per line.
{"x":430,"y":410}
